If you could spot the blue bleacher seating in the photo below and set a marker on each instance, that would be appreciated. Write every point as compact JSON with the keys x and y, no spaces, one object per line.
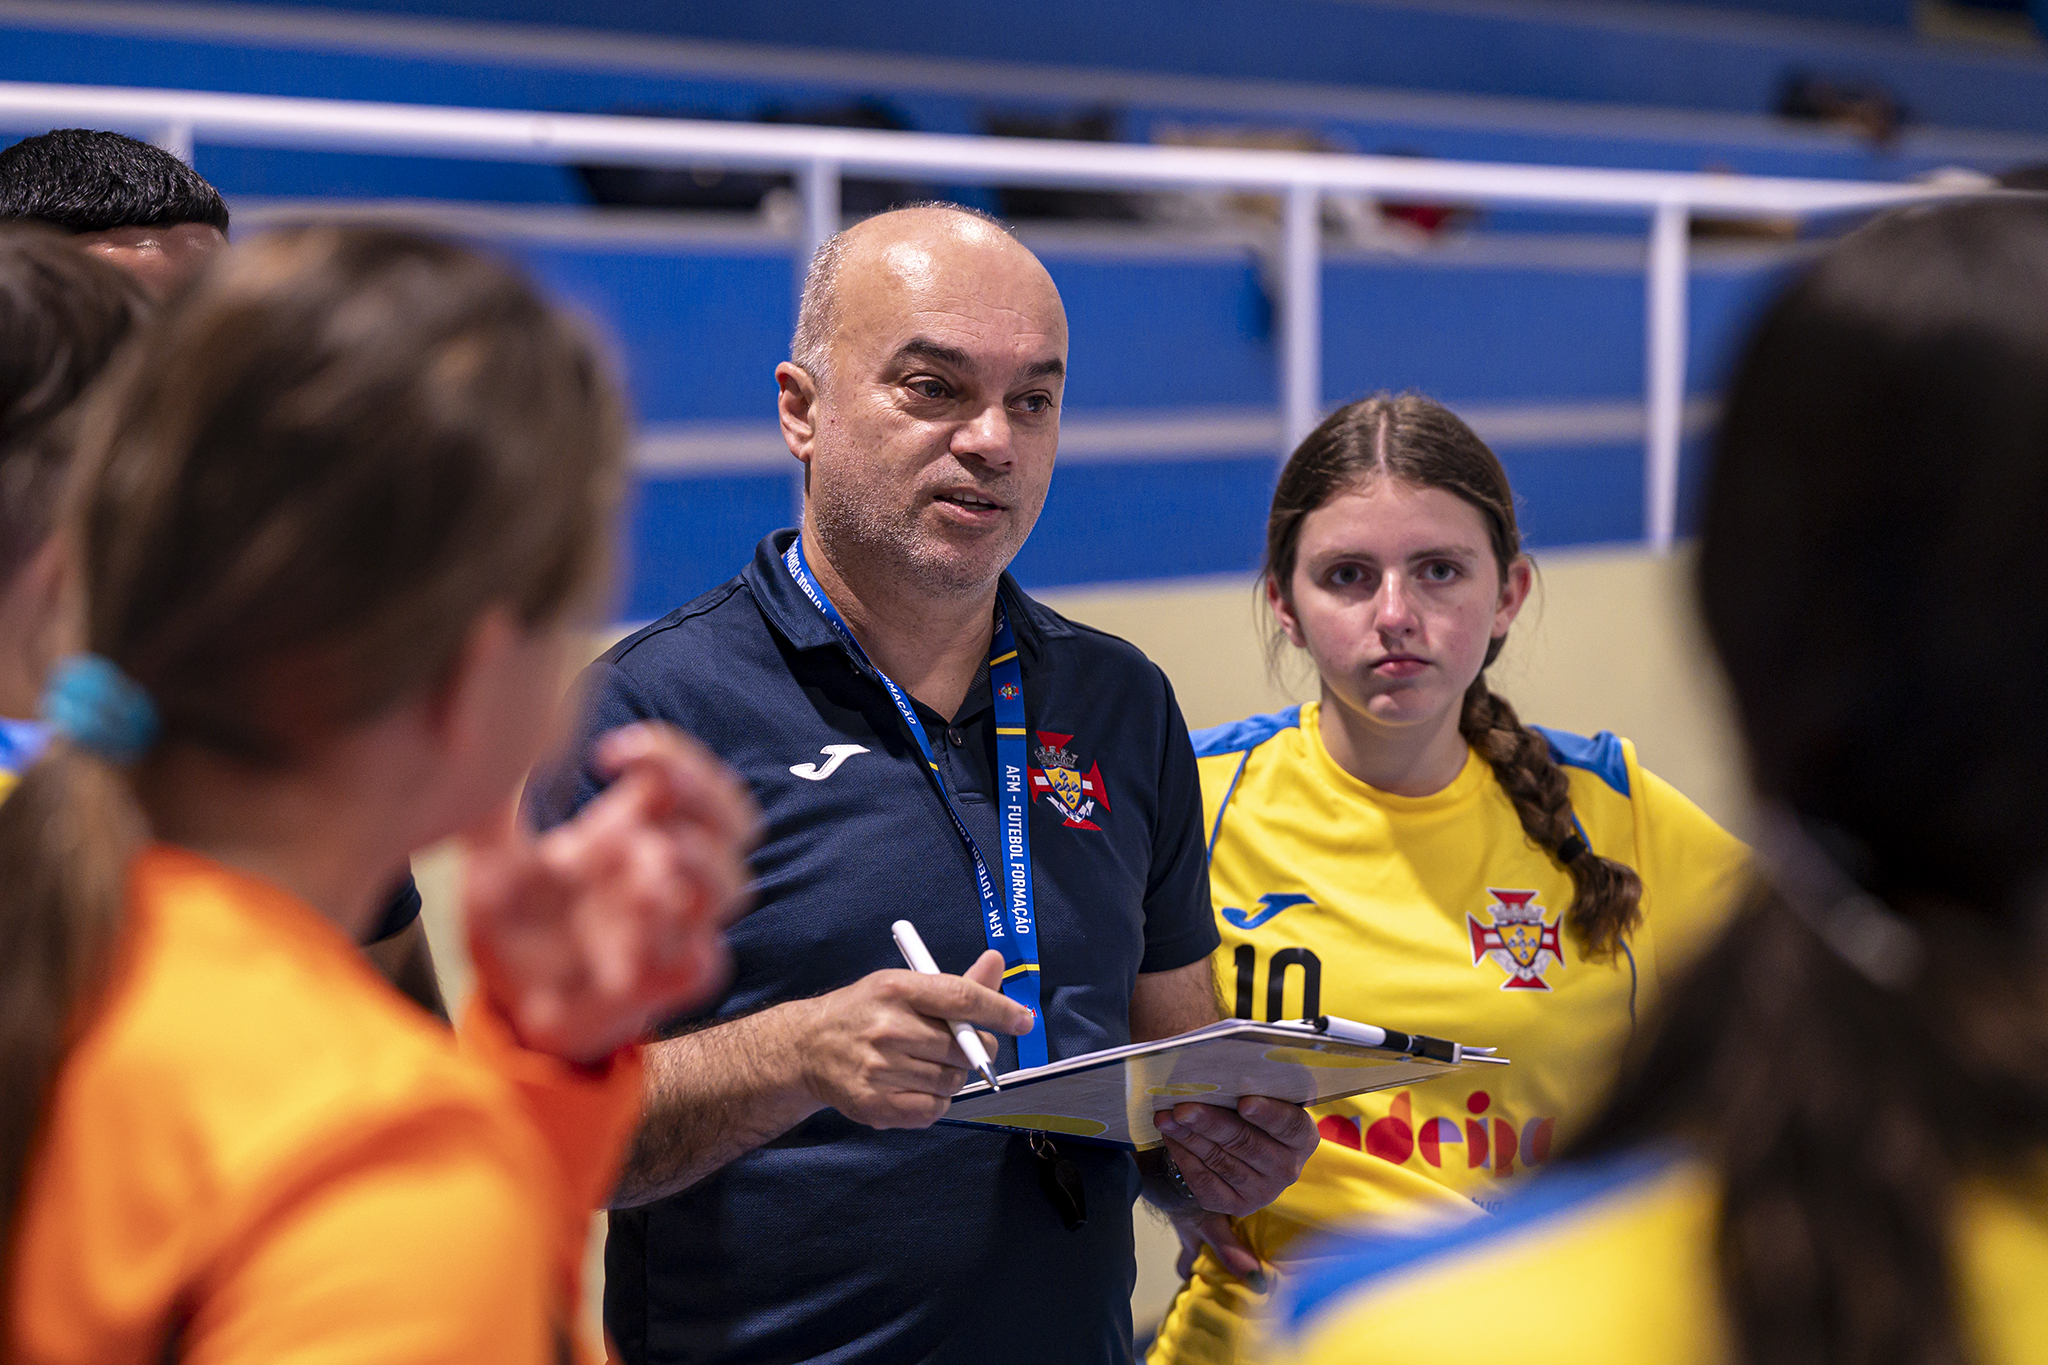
{"x":1532,"y":321}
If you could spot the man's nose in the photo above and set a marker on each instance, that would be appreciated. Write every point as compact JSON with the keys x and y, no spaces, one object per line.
{"x":986,"y":437}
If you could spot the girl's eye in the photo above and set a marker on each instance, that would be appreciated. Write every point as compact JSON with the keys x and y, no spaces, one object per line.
{"x":1441,"y":571}
{"x":1346,"y":576}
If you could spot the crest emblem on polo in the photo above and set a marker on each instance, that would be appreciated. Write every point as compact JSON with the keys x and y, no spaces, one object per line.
{"x":1518,"y":939}
{"x":1059,"y":779}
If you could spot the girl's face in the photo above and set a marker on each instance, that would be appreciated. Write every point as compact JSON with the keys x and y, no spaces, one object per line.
{"x":1396,"y":596}
{"x":499,"y":713}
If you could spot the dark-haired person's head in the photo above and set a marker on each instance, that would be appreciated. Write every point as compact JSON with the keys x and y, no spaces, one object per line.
{"x":62,"y":315}
{"x":1863,"y":1058}
{"x":135,"y":204}
{"x":1872,"y":571}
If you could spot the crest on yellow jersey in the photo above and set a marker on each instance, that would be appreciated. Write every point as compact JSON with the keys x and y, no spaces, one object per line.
{"x":1517,"y":938}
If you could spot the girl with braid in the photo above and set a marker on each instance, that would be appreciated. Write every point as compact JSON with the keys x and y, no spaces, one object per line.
{"x":1828,"y":1149}
{"x":1405,"y":851}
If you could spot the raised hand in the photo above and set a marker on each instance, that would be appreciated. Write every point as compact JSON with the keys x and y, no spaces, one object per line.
{"x":879,"y":1050}
{"x":588,"y":934}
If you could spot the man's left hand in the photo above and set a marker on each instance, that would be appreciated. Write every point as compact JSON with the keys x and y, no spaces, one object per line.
{"x":1237,"y":1163}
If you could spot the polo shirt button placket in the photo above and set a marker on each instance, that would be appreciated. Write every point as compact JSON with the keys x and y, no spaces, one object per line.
{"x":953,"y":734}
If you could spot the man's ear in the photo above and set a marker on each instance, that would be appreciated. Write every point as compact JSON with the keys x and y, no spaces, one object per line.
{"x":796,"y":405}
{"x":1283,"y":612}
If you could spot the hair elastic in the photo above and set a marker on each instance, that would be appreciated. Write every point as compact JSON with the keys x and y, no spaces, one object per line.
{"x":100,"y":709}
{"x":1572,"y":847}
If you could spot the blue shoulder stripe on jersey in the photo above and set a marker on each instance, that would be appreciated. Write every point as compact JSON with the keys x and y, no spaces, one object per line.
{"x":1216,"y":830}
{"x":1248,"y":733}
{"x":21,"y":743}
{"x":1601,"y":755}
{"x":1554,"y":1195}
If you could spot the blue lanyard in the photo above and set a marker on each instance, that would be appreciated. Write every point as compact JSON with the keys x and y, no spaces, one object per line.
{"x":1006,"y":914}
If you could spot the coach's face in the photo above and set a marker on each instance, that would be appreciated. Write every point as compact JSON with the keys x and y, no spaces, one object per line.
{"x":929,"y":441}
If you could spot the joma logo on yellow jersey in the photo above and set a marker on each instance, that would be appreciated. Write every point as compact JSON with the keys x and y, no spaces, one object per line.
{"x":1270,"y":904}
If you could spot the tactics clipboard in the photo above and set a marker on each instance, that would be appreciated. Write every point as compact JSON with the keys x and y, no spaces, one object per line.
{"x":1109,"y":1097}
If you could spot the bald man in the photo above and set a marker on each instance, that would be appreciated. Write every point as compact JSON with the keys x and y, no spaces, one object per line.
{"x":927,"y":743}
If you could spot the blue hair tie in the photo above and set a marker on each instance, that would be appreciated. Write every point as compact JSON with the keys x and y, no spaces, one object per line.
{"x":102,"y":710}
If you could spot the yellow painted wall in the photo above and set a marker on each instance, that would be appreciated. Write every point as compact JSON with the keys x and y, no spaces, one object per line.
{"x":1607,"y":642}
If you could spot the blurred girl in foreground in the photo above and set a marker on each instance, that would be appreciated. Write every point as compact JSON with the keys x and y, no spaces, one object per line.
{"x":1831,"y":1147}
{"x":330,"y":528}
{"x":63,"y":314}
{"x":1406,"y":852}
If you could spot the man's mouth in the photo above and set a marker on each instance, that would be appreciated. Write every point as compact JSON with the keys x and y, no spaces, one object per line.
{"x":971,"y":502}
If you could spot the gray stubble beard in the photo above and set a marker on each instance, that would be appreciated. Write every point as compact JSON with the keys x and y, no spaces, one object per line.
{"x":849,"y":527}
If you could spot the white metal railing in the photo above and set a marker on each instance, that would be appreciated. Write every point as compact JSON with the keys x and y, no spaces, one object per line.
{"x":820,"y":157}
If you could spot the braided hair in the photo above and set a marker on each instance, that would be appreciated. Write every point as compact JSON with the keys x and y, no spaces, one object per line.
{"x":1421,"y":442}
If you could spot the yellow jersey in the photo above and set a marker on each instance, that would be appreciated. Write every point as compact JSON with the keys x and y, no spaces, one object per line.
{"x":1435,"y":915}
{"x":1634,"y":1234}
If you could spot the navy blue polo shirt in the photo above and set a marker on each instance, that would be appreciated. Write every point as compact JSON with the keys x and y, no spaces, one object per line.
{"x":836,"y":1242}
{"x":399,"y":912}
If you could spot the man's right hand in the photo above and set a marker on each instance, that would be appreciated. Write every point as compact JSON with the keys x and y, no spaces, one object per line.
{"x":879,"y":1051}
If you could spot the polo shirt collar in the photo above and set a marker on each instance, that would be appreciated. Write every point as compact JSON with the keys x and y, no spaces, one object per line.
{"x":783,"y":603}
{"x":781,"y":600}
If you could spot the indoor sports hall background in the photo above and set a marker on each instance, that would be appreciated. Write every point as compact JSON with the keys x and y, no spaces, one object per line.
{"x":1529,"y":322}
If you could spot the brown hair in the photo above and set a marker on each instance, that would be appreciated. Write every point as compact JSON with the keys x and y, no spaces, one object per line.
{"x":1421,"y":442}
{"x":308,"y":480}
{"x":62,"y":314}
{"x":1858,"y":1051}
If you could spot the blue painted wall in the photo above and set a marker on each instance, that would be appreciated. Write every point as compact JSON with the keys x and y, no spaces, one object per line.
{"x":1118,"y":522}
{"x":1897,"y":14}
{"x":701,"y":328}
